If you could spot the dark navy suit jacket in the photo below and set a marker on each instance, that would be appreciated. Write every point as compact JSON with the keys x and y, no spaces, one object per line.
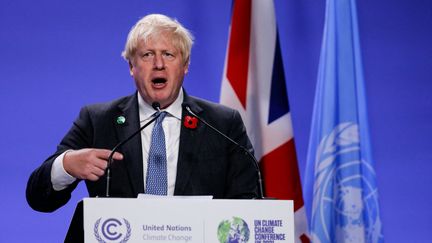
{"x":208,"y":164}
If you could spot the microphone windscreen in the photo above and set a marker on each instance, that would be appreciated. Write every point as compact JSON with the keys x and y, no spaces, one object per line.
{"x":156,"y":105}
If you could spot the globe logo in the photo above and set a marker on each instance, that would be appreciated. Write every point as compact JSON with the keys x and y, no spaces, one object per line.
{"x":235,"y":230}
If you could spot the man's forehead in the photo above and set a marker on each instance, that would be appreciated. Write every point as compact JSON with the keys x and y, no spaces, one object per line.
{"x":163,"y":40}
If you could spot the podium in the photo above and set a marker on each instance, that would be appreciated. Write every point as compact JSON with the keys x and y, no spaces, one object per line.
{"x":187,"y":220}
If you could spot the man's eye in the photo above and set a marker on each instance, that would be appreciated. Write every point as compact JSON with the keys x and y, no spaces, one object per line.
{"x":168,"y":55}
{"x":147,"y":55}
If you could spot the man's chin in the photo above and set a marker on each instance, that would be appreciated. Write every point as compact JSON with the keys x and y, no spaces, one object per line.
{"x":164,"y":103}
{"x":163,"y":97}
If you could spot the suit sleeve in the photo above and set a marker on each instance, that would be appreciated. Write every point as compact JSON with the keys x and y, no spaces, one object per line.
{"x":40,"y":193}
{"x":242,"y":175}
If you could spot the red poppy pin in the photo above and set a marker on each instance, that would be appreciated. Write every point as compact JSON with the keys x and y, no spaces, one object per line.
{"x":190,"y":122}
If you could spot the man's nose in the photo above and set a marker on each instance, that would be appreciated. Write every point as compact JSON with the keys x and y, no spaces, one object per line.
{"x":158,"y":62}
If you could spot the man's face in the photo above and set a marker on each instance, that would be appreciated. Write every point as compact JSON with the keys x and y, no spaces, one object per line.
{"x":158,"y":69}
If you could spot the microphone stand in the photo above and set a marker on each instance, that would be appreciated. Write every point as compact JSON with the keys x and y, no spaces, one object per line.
{"x":247,"y":152}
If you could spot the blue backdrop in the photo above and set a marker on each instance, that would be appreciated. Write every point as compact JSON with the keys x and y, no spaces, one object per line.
{"x":56,"y":56}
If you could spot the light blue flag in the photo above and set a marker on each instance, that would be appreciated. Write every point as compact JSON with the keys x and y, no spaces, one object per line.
{"x":340,"y":178}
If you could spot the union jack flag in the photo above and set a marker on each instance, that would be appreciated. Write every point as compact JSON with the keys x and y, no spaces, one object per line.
{"x":254,"y":84}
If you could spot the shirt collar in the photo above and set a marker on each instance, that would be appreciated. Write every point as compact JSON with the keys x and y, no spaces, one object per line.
{"x":146,"y":111}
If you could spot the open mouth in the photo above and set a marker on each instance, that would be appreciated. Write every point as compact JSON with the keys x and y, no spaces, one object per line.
{"x":158,"y":82}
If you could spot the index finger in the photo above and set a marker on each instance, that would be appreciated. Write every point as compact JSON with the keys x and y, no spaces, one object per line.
{"x":105,"y":153}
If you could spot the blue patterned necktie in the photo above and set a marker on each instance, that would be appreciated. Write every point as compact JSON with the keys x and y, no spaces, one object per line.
{"x":156,"y":181}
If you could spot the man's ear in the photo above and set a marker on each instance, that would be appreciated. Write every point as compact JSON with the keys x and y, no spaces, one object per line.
{"x":130,"y":67}
{"x":186,"y":68}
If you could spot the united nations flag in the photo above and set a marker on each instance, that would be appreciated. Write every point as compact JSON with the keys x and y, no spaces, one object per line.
{"x":340,"y":178}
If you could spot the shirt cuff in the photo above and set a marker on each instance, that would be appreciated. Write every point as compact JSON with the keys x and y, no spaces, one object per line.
{"x":60,"y":179}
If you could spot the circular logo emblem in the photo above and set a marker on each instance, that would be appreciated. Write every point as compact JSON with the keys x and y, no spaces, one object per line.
{"x":233,"y":231}
{"x":112,"y":230}
{"x":345,"y":206}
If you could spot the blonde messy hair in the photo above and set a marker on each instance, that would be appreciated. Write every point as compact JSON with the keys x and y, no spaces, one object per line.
{"x":154,"y":25}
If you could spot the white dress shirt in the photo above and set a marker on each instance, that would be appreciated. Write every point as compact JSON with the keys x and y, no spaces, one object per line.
{"x":171,"y":125}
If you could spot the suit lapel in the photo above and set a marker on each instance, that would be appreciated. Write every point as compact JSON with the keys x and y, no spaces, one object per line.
{"x":188,"y":148}
{"x":132,"y":150}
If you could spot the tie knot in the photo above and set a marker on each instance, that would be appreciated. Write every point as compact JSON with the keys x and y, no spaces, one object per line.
{"x":161,"y":116}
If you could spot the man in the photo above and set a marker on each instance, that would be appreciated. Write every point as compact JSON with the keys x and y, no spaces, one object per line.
{"x":198,"y":160}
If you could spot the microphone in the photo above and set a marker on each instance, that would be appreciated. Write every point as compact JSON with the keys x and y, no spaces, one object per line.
{"x":155,"y":106}
{"x":255,"y":162}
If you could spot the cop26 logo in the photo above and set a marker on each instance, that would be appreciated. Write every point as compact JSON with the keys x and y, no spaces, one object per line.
{"x":112,"y":230}
{"x":235,"y":230}
{"x":345,"y":205}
